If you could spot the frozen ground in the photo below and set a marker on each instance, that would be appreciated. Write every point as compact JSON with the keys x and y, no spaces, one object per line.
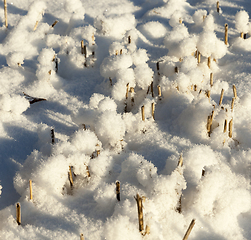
{"x":94,"y":102}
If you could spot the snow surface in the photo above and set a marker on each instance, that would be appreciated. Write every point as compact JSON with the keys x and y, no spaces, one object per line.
{"x":71,"y":108}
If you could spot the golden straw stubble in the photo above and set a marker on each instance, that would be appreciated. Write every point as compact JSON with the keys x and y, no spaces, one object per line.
{"x":189,"y":229}
{"x":140,"y":212}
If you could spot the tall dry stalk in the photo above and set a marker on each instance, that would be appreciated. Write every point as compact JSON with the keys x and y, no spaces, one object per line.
{"x":82,"y":236}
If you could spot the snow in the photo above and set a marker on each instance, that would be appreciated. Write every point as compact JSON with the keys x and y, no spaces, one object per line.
{"x":77,"y":118}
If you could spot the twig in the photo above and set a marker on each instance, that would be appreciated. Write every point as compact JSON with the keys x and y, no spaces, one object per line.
{"x":189,"y":229}
{"x":82,"y":236}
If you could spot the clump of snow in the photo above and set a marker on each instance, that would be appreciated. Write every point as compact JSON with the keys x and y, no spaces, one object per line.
{"x":143,"y":75}
{"x":112,"y":64}
{"x":154,"y":29}
{"x":110,"y":128}
{"x":198,"y":16}
{"x":115,"y":26}
{"x":241,"y":21}
{"x":15,"y":59}
{"x":15,"y":104}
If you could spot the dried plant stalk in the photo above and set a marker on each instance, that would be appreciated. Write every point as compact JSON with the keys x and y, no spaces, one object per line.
{"x":159,"y":90}
{"x":129,"y":39}
{"x":153,"y":109}
{"x":143,"y":112}
{"x":230,"y":128}
{"x":180,"y":163}
{"x":189,"y":229}
{"x":209,"y":62}
{"x":242,"y":35}
{"x":152,"y":89}
{"x":147,"y":231}
{"x":82,"y":236}
{"x":52,"y":136}
{"x":209,"y":123}
{"x":118,"y":190}
{"x":54,"y":24}
{"x":30,"y":183}
{"x":208,"y":93}
{"x":226,"y":34}
{"x":225,"y":126}
{"x":180,"y":20}
{"x":232,"y":104}
{"x":116,"y":52}
{"x":140,"y":212}
{"x":211,"y":79}
{"x":221,"y":96}
{"x":199,"y":56}
{"x":132,"y":95}
{"x":110,"y":81}
{"x":5,"y":13}
{"x":176,"y":69}
{"x":82,"y":47}
{"x":18,"y":210}
{"x":88,"y":172}
{"x":35,"y":27}
{"x":70,"y":176}
{"x":235,"y":92}
{"x":218,"y":6}
{"x":127,"y":90}
{"x":121,"y":51}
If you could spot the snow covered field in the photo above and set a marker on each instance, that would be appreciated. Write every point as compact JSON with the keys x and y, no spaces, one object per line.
{"x":95,"y":93}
